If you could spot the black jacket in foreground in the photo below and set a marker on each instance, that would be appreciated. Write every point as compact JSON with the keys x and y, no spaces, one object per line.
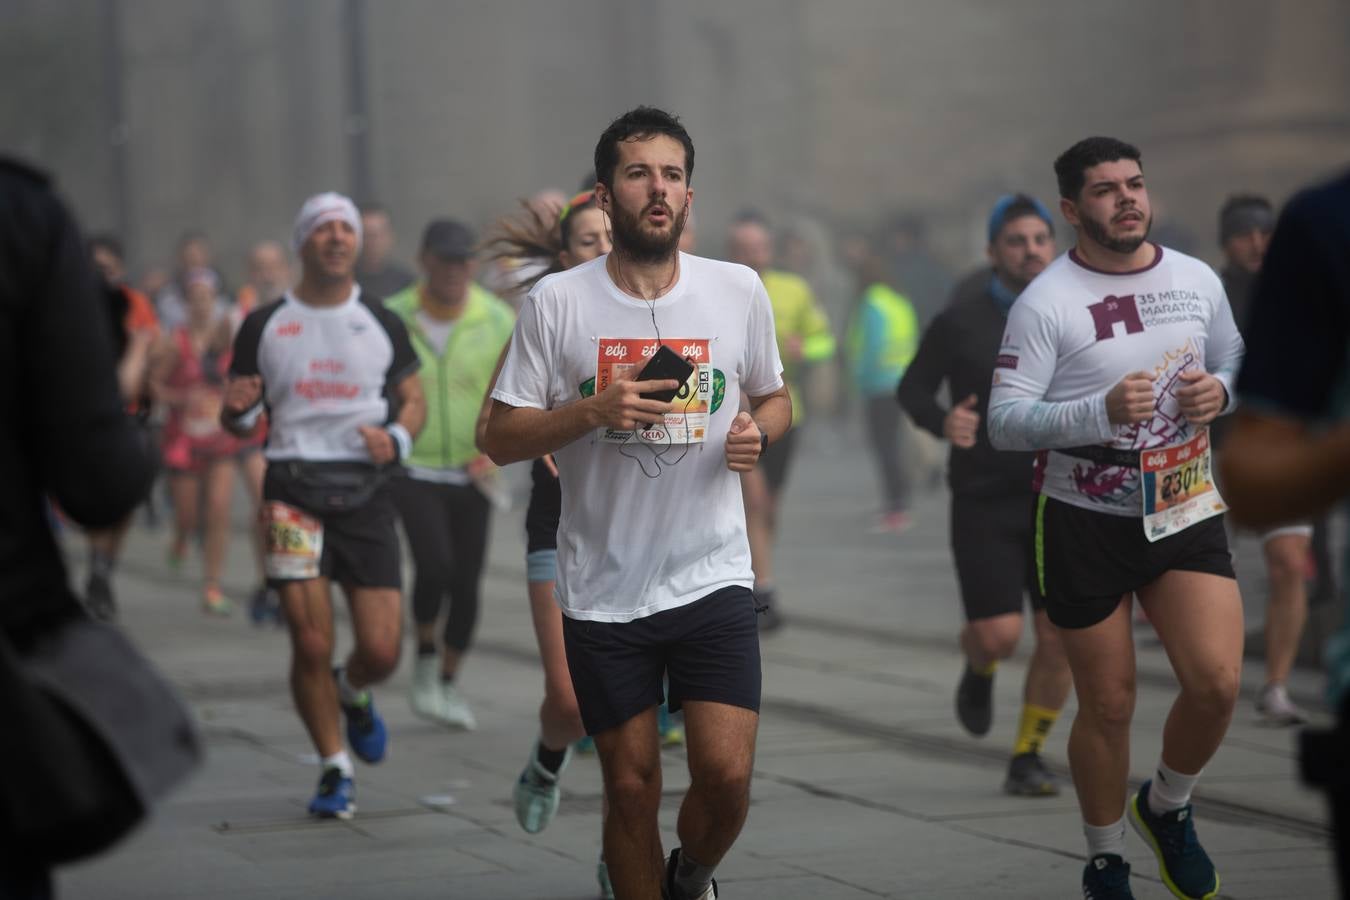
{"x":63,"y":431}
{"x":959,"y":348}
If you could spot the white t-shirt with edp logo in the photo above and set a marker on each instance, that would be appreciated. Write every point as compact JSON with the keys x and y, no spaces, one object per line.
{"x":650,"y":521}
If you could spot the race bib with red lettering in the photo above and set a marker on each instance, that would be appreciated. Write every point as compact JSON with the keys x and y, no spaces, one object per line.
{"x":687,"y":423}
{"x":294,"y":542}
{"x":1178,"y":487}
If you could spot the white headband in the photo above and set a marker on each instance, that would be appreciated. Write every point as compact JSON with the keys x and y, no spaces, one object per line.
{"x":323,"y":208}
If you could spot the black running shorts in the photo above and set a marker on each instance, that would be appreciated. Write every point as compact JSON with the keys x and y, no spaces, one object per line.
{"x":1086,"y":561}
{"x":360,"y":547}
{"x":545,"y":509}
{"x":992,"y":545}
{"x":708,"y":650}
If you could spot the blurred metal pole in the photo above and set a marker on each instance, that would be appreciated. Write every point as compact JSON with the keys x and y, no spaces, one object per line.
{"x":358,"y":115}
{"x":119,"y":132}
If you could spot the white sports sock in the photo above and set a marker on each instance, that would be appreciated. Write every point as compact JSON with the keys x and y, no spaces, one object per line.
{"x":349,"y":695}
{"x":1170,"y":790}
{"x":691,"y":878}
{"x":340,"y":761}
{"x":1105,"y":838}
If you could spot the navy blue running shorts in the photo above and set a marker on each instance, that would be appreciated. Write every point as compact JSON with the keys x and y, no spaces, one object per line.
{"x":708,"y":650}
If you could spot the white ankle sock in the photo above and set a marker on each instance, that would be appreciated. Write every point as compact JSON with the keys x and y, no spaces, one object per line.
{"x":349,"y":695}
{"x":1105,"y":838}
{"x":340,"y":761}
{"x":691,"y":878}
{"x":1170,"y":790}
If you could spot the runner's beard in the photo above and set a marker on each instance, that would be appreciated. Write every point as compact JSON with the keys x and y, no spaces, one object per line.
{"x":1099,"y":233}
{"x":643,"y":246}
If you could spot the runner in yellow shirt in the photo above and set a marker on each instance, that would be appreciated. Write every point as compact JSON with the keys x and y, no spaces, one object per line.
{"x":804,"y":339}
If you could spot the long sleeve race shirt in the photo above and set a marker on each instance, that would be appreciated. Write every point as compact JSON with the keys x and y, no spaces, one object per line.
{"x":1073,"y":334}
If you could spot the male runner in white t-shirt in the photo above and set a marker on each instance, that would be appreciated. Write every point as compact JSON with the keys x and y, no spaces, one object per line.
{"x":1115,"y":360}
{"x":654,"y":569}
{"x":337,"y":376}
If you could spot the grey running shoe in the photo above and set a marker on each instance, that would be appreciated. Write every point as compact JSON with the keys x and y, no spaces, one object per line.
{"x":424,"y":694}
{"x":455,"y":710}
{"x":1277,"y":709}
{"x":602,"y":875}
{"x":537,"y":796}
{"x":1028,"y":777}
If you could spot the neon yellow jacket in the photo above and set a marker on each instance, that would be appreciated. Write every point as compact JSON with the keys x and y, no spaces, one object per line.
{"x":882,"y":339}
{"x":797,"y":315}
{"x":456,"y":381}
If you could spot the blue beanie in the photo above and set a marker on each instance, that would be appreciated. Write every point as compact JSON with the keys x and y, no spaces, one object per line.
{"x":998,"y":215}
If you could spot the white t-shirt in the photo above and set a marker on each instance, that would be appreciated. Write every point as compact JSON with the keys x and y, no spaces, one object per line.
{"x":630,"y":545}
{"x":326,"y":370}
{"x":437,"y":331}
{"x":1073,"y":334}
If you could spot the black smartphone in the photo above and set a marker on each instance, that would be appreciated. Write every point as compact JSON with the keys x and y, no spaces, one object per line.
{"x":665,"y":364}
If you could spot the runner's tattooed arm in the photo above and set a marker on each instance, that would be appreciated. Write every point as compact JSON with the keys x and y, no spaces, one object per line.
{"x":1020,"y":418}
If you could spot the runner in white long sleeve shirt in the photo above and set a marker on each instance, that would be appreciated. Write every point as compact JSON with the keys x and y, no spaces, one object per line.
{"x":1115,"y":361}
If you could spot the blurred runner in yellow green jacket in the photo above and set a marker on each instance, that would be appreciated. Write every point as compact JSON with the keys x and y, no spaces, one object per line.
{"x":883,"y":337}
{"x":458,"y":329}
{"x":804,"y":338}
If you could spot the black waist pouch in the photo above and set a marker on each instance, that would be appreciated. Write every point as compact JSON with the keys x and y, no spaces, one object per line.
{"x":324,"y":488}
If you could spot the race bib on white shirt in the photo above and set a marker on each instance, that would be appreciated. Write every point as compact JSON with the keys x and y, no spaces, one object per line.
{"x":1072,"y":335}
{"x":687,"y":423}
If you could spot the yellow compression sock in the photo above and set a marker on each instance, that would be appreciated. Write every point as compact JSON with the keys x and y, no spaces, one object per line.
{"x":1035,"y":725}
{"x":988,"y":671}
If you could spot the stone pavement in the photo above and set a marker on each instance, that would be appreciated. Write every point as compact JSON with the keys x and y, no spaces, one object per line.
{"x":865,"y":786}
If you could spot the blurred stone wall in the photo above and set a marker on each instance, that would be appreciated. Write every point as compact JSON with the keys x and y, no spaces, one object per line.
{"x":163,"y":115}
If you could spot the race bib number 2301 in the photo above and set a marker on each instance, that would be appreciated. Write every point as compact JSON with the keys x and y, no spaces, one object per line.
{"x":1179,"y":487}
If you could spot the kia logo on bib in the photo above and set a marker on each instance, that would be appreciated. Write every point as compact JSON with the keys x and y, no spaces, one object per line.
{"x":1111,"y":310}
